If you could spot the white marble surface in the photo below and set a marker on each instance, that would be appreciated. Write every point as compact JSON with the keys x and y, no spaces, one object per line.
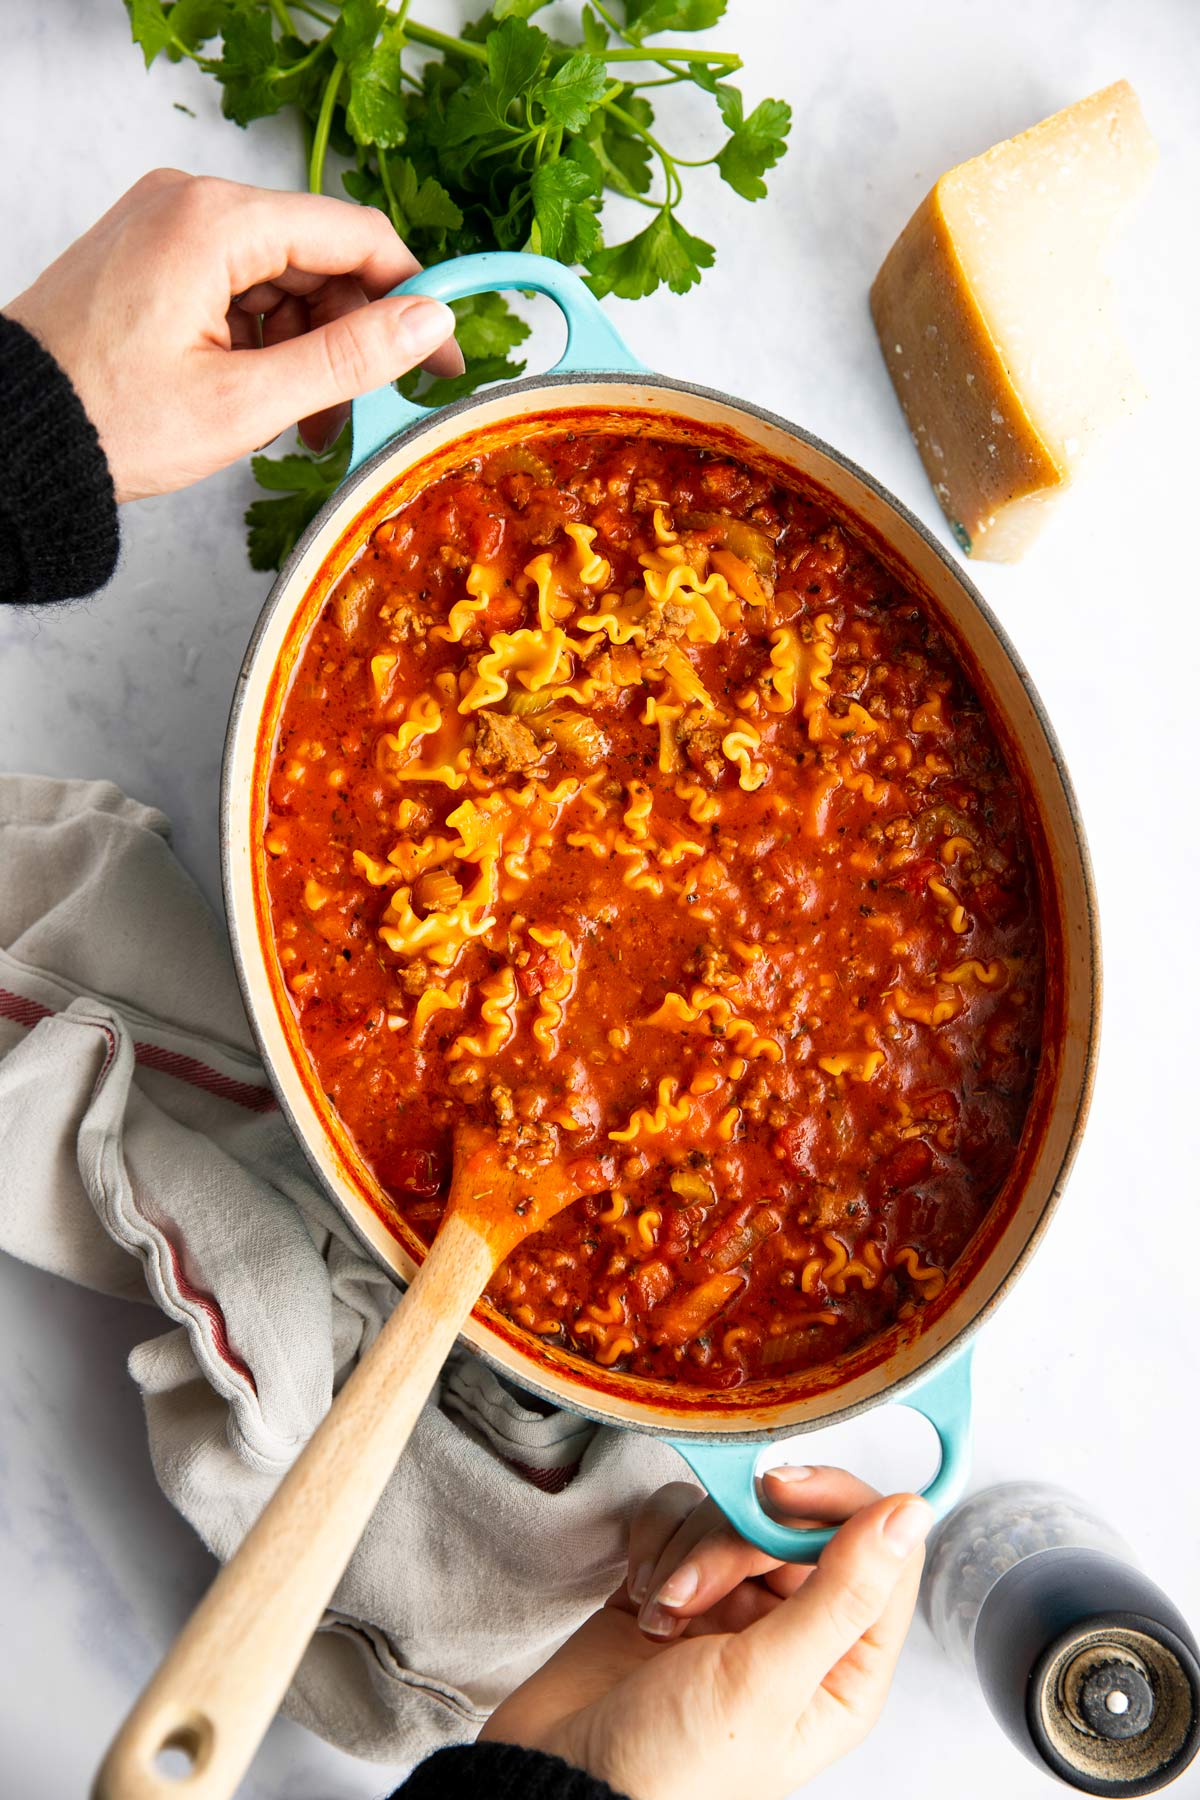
{"x":1089,"y":1373}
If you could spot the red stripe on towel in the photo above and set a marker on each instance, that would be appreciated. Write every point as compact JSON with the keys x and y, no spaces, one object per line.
{"x":205,"y":1304}
{"x":152,"y":1056}
{"x":199,"y":1075}
{"x":29,"y":1013}
{"x":22,"y":1011}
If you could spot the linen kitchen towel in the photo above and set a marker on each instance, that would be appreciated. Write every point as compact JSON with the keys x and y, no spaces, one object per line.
{"x":142,"y":1154}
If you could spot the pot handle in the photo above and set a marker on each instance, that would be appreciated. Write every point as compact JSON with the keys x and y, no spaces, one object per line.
{"x":728,"y":1470}
{"x":593,"y":342}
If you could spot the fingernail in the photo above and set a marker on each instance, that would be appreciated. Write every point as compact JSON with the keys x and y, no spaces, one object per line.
{"x":657,"y":1623}
{"x":789,"y":1475}
{"x":906,"y":1527}
{"x":639,"y":1587}
{"x":427,"y":323}
{"x":678,"y":1588}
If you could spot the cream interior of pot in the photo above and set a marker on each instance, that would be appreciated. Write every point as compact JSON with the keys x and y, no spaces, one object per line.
{"x":836,"y":1390}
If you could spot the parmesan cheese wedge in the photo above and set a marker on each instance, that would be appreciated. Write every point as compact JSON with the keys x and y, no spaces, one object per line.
{"x":995,"y":318}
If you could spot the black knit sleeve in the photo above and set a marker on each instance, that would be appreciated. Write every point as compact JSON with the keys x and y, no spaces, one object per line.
{"x":500,"y":1772}
{"x":58,"y":513}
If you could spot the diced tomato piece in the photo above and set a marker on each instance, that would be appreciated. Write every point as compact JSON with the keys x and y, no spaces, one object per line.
{"x":502,"y":613}
{"x":908,"y":1163}
{"x":795,"y":1144}
{"x":941,"y":1104}
{"x":484,"y":534}
{"x":591,"y":1174}
{"x":536,"y":974}
{"x":675,"y":1233}
{"x":653,"y":1282}
{"x":915,"y":875}
{"x":407,"y":1171}
{"x":996,"y":903}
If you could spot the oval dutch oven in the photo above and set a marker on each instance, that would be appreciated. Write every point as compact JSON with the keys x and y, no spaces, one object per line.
{"x":925,"y":1363}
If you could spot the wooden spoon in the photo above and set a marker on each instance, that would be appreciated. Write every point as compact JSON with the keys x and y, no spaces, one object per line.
{"x":220,"y":1684}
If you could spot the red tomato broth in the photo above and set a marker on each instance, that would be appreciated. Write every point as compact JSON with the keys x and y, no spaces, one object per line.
{"x":827,"y":1183}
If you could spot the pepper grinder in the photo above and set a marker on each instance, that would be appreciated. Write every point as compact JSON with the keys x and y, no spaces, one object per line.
{"x":1086,"y":1665}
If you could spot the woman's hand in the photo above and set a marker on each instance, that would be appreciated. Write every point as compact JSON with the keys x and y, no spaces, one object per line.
{"x":145,"y":311}
{"x":758,"y":1674}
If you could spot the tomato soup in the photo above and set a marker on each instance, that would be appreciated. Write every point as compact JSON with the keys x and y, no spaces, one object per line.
{"x":624,"y":802}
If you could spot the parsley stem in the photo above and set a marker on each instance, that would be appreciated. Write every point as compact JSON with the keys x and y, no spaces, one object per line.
{"x":281,"y":72}
{"x":284,"y":16}
{"x":320,"y":143}
{"x":668,"y":54}
{"x":673,"y":183}
{"x":204,"y":62}
{"x":510,"y":145}
{"x":440,"y":40}
{"x":385,"y":178}
{"x":311,"y":12}
{"x":452,"y":46}
{"x":610,"y":21}
{"x":628,"y":120}
{"x":660,"y":55}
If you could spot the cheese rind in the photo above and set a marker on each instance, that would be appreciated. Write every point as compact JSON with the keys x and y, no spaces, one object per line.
{"x":994,"y":317}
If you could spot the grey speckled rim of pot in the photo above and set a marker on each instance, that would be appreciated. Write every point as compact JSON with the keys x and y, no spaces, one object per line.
{"x":589,"y":1402}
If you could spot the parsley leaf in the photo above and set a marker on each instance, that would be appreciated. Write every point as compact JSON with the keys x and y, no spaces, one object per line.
{"x":644,"y":17}
{"x":496,"y":135}
{"x":486,"y":327}
{"x":248,"y":61}
{"x":365,"y":187}
{"x":514,"y":53}
{"x":757,"y":143}
{"x":573,"y":92}
{"x":663,"y":252}
{"x":626,"y":150}
{"x":357,"y":28}
{"x":449,"y":388}
{"x":194,"y":22}
{"x":304,"y":483}
{"x":566,"y":224}
{"x":150,"y":27}
{"x":595,"y":34}
{"x":375,"y":113}
{"x":472,"y":116}
{"x":421,"y":205}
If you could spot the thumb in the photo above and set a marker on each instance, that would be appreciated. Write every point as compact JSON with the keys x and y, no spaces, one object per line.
{"x":364,"y":349}
{"x":793,"y":1649}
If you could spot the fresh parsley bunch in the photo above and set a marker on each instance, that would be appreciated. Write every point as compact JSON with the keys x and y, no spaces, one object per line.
{"x":502,"y":138}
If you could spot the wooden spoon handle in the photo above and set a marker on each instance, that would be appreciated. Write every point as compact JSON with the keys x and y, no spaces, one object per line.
{"x":220,"y":1684}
